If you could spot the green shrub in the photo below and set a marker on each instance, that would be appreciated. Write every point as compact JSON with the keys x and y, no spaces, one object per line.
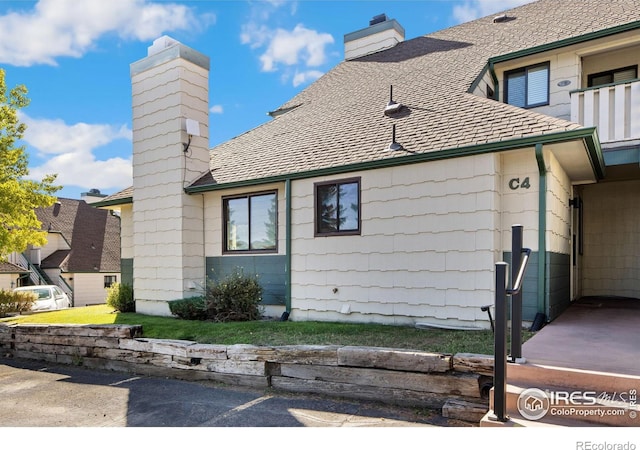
{"x":15,"y":302}
{"x":192,"y":308}
{"x":120,"y":297}
{"x":235,"y":298}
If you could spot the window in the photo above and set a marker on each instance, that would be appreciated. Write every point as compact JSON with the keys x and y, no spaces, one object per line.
{"x":250,"y":223}
{"x":528,"y":87}
{"x":613,"y":76}
{"x":110,"y":280}
{"x":338,"y":207}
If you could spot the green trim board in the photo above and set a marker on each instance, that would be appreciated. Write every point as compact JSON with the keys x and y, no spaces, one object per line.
{"x":589,"y":135}
{"x":631,"y":26}
{"x":115,"y":202}
{"x":542,"y":226}
{"x":271,"y":271}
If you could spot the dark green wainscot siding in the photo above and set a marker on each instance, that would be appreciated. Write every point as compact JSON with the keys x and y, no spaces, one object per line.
{"x":126,"y":271}
{"x":269,"y":268}
{"x":558,"y":283}
{"x":557,"y":286}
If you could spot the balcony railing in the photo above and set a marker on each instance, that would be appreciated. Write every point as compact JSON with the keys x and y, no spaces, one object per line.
{"x":613,"y":108}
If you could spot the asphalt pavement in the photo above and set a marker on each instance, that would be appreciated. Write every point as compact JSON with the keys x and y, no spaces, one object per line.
{"x":42,"y":394}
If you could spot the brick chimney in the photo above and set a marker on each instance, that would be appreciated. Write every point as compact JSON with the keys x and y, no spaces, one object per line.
{"x":381,"y":34}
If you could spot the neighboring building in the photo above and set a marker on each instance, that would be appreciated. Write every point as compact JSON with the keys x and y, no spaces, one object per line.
{"x":82,"y":253}
{"x":10,"y":275}
{"x":386,"y":190}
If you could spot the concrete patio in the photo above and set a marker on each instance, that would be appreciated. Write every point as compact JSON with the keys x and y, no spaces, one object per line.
{"x":594,"y":346}
{"x":597,"y":334}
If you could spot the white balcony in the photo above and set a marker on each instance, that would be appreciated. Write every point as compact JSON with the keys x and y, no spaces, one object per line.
{"x":613,"y":108}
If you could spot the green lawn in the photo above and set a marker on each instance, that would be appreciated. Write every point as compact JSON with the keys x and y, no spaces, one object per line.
{"x":275,"y":332}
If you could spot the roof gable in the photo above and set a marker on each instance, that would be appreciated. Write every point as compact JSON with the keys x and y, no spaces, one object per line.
{"x":93,"y":235}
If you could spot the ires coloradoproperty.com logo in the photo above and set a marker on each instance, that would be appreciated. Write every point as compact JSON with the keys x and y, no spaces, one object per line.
{"x":534,"y":404}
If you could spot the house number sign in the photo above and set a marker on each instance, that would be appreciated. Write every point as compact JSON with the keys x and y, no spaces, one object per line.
{"x":516,"y":183}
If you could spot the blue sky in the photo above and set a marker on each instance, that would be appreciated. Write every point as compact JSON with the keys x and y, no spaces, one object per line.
{"x":74,"y":56}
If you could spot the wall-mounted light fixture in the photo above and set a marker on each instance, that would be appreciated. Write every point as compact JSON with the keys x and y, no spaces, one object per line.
{"x":193,"y":129}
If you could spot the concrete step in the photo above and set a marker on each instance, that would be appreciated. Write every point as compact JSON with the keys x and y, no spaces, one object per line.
{"x":575,"y":406}
{"x":488,"y":421}
{"x":532,"y":374}
{"x":555,"y":395}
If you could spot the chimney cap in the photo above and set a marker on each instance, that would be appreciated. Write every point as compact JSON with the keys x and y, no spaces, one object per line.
{"x":378,"y":19}
{"x":160,"y":44}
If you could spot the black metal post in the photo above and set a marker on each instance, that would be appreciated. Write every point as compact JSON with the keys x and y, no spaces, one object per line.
{"x":516,"y":298}
{"x":500,"y":345}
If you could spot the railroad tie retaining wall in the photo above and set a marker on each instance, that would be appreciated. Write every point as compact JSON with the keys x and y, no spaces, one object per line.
{"x":457,"y":384}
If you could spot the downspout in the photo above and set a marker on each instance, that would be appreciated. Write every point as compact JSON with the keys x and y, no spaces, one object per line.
{"x":494,"y":77}
{"x":204,"y":248}
{"x":542,"y":232}
{"x":287,"y":193}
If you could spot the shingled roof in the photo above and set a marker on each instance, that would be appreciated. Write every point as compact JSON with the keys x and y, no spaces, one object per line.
{"x":93,"y":235}
{"x":337,"y":122}
{"x":7,"y":267}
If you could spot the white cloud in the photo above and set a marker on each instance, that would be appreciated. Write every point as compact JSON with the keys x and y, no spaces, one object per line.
{"x":297,"y":49}
{"x":216,"y":109}
{"x":70,"y":28}
{"x":289,"y":47}
{"x":305,"y":77}
{"x":474,"y":9}
{"x":70,"y":150}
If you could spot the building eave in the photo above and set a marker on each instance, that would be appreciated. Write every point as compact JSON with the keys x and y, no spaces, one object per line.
{"x":631,"y":26}
{"x":588,"y":135}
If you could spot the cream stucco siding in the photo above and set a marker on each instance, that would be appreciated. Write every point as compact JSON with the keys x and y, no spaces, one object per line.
{"x":425,"y":254}
{"x":214,"y":234}
{"x":570,"y":67}
{"x":611,"y":259}
{"x":126,"y":231}
{"x":167,"y":224}
{"x":520,"y":188}
{"x":88,"y":288}
{"x":559,"y":192}
{"x":8,"y":281}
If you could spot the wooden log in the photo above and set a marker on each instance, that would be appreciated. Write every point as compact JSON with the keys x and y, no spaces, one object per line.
{"x":257,"y":368}
{"x":52,"y":349}
{"x":49,"y":357}
{"x":464,"y":410}
{"x":465,"y":385}
{"x":173,"y":347}
{"x":130,"y":356}
{"x":394,"y":359}
{"x":136,"y":345}
{"x":402,"y":397}
{"x":207,"y":351}
{"x":118,"y":331}
{"x":261,"y":382}
{"x":84,"y":341}
{"x":326,"y":355}
{"x":473,"y":363}
{"x":245,"y":352}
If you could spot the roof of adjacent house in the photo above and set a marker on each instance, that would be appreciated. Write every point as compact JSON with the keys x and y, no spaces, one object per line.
{"x":337,"y":122}
{"x":93,"y":236}
{"x":7,"y":267}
